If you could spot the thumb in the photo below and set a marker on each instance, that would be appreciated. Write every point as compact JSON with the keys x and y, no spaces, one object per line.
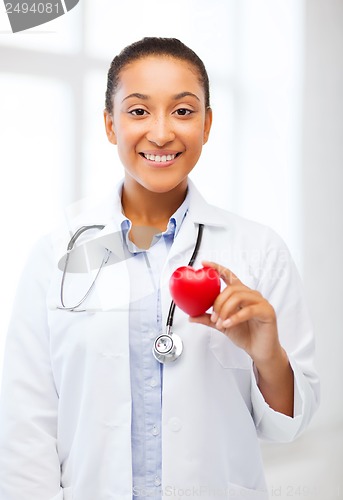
{"x":226,"y":275}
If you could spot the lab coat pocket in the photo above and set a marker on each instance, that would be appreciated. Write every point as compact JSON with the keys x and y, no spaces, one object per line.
{"x":237,"y":491}
{"x":227,"y":353}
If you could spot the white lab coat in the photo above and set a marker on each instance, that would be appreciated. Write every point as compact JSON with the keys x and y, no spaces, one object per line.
{"x":66,"y":407}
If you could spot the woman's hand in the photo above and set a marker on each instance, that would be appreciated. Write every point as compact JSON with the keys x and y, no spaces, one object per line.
{"x":249,"y":320}
{"x":244,"y":316}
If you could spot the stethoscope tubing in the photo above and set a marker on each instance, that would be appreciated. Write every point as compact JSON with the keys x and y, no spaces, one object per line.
{"x":173,"y":342}
{"x":70,"y":247}
{"x":170,"y":318}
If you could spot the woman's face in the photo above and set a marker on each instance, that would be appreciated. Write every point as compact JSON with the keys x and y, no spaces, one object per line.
{"x":159,"y":121}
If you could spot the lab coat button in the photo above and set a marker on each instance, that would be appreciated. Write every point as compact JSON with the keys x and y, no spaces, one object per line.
{"x":157,"y":481}
{"x":175,"y":424}
{"x":155,"y":431}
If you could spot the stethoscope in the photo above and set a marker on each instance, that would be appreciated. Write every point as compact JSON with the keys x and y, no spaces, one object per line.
{"x":168,"y":346}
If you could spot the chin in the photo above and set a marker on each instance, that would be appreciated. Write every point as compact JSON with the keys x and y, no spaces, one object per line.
{"x":163,"y":187}
{"x":158,"y":182}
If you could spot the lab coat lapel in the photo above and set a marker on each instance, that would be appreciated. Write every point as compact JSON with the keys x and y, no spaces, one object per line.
{"x":183,"y":245}
{"x":113,"y":283}
{"x":113,"y":287}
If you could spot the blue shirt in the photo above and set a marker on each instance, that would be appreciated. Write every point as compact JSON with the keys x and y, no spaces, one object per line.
{"x":145,"y":324}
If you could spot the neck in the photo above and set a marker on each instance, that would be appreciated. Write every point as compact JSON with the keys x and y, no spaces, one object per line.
{"x":147,"y":208}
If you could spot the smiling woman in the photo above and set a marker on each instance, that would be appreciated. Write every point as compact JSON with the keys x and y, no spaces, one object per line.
{"x":86,"y":409}
{"x":168,"y":117}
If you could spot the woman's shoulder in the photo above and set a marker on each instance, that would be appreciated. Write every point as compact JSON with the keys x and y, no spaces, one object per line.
{"x":233,"y":225}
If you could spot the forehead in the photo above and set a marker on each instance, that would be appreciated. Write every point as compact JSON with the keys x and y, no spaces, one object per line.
{"x":152,"y":74}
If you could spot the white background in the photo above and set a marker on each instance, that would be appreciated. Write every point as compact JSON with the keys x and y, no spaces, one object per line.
{"x":275,"y":155}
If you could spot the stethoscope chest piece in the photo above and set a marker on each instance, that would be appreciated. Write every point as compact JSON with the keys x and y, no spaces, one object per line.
{"x":167,"y":347}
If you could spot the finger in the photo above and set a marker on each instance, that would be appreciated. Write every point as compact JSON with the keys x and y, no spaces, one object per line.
{"x":227,"y":276}
{"x":254,"y":311}
{"x":243,"y":315}
{"x":237,"y":301}
{"x":223,"y":297}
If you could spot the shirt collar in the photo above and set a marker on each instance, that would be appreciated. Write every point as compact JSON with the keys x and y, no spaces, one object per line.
{"x":178,"y":216}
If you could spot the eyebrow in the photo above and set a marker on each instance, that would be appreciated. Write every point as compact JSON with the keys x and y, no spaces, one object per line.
{"x":145,"y":97}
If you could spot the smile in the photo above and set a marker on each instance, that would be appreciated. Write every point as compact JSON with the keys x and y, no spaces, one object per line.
{"x":160,"y":158}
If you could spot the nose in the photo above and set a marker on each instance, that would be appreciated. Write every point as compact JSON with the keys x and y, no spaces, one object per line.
{"x":160,"y":131}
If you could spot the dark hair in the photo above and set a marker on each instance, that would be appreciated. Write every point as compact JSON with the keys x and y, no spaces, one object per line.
{"x":151,"y":46}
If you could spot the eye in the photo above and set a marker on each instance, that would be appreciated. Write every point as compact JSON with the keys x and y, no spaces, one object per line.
{"x":183,"y":112}
{"x":138,"y":112}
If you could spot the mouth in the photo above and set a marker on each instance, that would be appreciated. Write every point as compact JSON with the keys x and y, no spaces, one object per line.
{"x":160,"y":159}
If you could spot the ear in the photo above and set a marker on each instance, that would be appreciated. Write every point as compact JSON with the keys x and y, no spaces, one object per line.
{"x":109,"y":126}
{"x":207,"y":124}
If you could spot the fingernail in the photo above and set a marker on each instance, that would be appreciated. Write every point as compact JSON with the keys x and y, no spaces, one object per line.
{"x":214,"y":317}
{"x":227,"y":323}
{"x":219,"y":323}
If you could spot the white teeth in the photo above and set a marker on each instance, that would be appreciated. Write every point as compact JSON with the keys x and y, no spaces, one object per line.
{"x":158,"y":158}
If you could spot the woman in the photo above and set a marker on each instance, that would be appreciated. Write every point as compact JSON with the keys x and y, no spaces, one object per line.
{"x":87,"y":412}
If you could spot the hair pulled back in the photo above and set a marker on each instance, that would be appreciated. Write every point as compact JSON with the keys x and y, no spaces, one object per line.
{"x":154,"y":46}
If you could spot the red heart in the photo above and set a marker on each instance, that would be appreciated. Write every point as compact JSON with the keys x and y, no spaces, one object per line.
{"x":194,"y":291}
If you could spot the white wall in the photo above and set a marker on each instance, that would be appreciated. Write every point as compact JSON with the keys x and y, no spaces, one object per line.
{"x":312,"y":466}
{"x":323,"y":194}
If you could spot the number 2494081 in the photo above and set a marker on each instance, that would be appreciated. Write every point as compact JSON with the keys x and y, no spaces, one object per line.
{"x":35,"y":8}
